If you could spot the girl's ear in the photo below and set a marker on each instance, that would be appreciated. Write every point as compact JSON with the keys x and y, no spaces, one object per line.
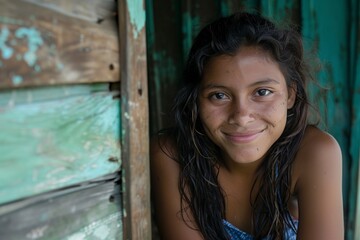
{"x":291,"y":96}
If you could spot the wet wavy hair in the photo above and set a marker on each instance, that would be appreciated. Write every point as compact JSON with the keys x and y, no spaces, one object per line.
{"x":199,"y":157}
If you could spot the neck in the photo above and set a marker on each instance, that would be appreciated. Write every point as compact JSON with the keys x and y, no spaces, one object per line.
{"x":241,"y":169}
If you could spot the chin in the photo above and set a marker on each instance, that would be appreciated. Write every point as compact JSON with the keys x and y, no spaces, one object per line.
{"x":244,"y":158}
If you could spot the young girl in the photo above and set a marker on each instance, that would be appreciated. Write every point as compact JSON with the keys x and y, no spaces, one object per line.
{"x":242,"y":162}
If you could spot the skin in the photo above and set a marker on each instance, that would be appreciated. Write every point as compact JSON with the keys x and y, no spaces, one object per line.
{"x":243,"y":107}
{"x":248,"y":95}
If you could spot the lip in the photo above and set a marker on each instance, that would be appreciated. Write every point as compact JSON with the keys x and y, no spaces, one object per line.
{"x":243,"y":137}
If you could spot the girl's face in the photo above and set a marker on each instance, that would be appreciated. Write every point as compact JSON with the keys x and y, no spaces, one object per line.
{"x":243,"y":104}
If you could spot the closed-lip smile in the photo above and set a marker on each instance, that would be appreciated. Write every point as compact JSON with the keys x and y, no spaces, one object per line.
{"x":243,"y":137}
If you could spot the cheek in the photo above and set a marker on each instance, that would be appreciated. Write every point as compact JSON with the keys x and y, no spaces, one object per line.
{"x":208,"y":112}
{"x":275,"y":113}
{"x":205,"y":116}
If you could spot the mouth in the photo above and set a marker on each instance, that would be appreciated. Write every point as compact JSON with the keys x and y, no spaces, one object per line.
{"x":243,"y":137}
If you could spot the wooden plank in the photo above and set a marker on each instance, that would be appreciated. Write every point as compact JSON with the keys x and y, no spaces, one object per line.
{"x":325,"y":32}
{"x":47,"y":42}
{"x":135,"y":126}
{"x":88,"y":210}
{"x":353,"y":226}
{"x":56,"y":136}
{"x":284,"y":12}
{"x":332,"y":98}
{"x":195,"y":15}
{"x":164,"y":60}
{"x":228,"y":7}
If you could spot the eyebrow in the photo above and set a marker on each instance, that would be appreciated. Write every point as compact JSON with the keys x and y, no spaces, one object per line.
{"x":260,"y":82}
{"x":265,"y":81}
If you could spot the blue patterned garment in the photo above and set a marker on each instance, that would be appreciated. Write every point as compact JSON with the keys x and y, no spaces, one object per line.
{"x":237,"y":234}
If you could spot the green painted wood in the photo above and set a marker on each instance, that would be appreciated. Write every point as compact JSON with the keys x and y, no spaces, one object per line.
{"x":251,"y":5}
{"x":354,"y":182}
{"x":325,"y":33}
{"x":54,"y":137}
{"x":228,"y":7}
{"x":284,"y":12}
{"x":88,"y":210}
{"x":164,"y":60}
{"x":195,"y":15}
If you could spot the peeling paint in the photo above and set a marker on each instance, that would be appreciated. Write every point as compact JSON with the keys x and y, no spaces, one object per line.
{"x":7,"y":20}
{"x":7,"y":51}
{"x":126,"y":115}
{"x":17,"y":80}
{"x":137,"y":15}
{"x":102,"y":232}
{"x":34,"y":42}
{"x":59,"y":66}
{"x":37,"y":68}
{"x":77,"y":236}
{"x":51,"y":123}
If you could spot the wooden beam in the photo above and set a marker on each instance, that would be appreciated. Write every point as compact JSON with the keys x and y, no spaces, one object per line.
{"x":135,"y":135}
{"x":55,"y":42}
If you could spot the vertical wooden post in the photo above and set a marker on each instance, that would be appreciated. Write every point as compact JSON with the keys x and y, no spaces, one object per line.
{"x":135,"y":133}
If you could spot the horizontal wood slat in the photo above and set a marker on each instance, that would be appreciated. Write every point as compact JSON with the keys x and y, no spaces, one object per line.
{"x":52,"y":137}
{"x":89,"y":210}
{"x":54,"y":42}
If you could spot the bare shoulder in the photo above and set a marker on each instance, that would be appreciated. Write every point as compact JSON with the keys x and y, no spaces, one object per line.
{"x":319,"y":155}
{"x":318,"y":167}
{"x":318,"y":150}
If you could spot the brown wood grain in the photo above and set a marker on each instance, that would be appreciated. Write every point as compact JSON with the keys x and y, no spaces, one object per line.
{"x":56,"y":42}
{"x":135,"y":126}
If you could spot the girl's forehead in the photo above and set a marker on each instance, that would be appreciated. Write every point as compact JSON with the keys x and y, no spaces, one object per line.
{"x":246,"y":57}
{"x":243,"y":54}
{"x":249,"y":66}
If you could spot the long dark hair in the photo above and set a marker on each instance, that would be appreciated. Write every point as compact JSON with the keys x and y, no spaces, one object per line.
{"x":199,"y":157}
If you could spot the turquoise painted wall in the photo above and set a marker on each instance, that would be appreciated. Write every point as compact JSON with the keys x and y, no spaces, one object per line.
{"x":331,"y":31}
{"x":60,"y":120}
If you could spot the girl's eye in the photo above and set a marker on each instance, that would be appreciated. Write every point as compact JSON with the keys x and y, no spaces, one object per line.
{"x":219,"y":96}
{"x":263,"y":92}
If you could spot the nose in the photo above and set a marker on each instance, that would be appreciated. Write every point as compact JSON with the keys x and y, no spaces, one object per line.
{"x":241,"y":113}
